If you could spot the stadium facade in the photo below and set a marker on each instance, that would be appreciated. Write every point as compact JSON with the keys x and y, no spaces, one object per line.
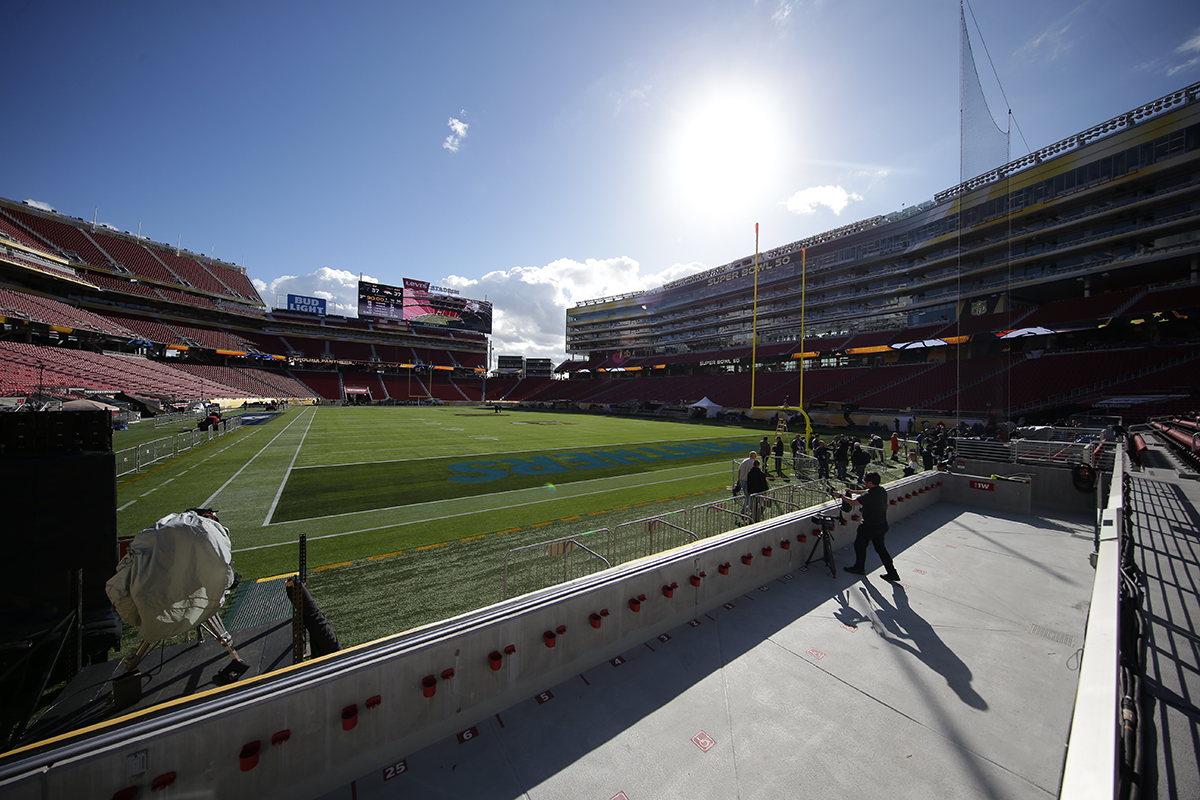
{"x":1089,"y":244}
{"x":1064,"y":281}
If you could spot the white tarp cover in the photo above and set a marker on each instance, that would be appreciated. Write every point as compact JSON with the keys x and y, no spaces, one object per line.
{"x":174,"y":576}
{"x":711,"y":409}
{"x":87,"y":405}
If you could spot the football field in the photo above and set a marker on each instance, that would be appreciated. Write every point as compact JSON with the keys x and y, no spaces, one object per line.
{"x":421,"y":503}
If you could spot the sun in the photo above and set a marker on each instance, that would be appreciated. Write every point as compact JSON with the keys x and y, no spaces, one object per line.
{"x":724,"y":152}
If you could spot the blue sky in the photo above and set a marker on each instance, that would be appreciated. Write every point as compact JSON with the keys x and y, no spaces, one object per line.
{"x":536,"y":153}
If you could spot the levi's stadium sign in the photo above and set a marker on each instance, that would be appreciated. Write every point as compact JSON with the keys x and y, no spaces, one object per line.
{"x":311,"y":305}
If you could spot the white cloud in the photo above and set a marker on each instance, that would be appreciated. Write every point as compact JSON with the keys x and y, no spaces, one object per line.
{"x":806,"y":201}
{"x":458,"y":132}
{"x":529,"y":303}
{"x":338,"y":287}
{"x":782,"y":12}
{"x":1192,"y":45}
{"x":627,"y":98}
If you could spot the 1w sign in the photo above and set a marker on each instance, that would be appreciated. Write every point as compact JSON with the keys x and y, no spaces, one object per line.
{"x":985,"y":486}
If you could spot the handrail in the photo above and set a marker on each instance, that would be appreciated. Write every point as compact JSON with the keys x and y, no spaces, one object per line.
{"x":1090,"y":768}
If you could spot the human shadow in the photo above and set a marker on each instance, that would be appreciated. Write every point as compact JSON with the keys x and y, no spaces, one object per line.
{"x":898,"y":624}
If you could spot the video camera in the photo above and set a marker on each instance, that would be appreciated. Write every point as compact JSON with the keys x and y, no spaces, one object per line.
{"x":837,"y":495}
{"x":826,"y":522}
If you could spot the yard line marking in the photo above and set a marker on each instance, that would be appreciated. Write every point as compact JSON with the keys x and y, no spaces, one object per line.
{"x":287,"y":472}
{"x":626,"y":445}
{"x":292,"y":542}
{"x":566,"y":493}
{"x":209,"y":502}
{"x":332,"y":566}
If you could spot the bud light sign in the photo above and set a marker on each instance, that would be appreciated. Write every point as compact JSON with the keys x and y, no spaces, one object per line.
{"x":311,"y":305}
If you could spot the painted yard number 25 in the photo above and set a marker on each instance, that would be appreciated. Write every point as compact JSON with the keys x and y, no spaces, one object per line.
{"x":392,"y":770}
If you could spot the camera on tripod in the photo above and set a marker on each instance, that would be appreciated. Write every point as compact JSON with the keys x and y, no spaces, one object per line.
{"x":827,"y":523}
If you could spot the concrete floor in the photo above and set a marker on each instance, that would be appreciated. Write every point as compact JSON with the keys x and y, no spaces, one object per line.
{"x":959,"y":682}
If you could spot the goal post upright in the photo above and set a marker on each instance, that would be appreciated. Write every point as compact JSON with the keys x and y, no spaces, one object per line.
{"x":754,"y":325}
{"x":808,"y":429}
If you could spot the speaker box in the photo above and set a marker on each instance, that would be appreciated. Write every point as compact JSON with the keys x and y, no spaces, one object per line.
{"x":61,"y":515}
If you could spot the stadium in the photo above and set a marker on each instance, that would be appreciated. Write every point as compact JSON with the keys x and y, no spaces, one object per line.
{"x":384,"y":453}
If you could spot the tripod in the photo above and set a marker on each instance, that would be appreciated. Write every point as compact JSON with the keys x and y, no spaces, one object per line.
{"x":825,"y":543}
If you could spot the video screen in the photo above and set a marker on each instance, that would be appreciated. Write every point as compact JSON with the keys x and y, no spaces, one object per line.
{"x":418,"y":303}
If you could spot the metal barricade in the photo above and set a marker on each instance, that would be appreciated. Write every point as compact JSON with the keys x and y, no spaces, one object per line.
{"x":645,"y":537}
{"x":536,"y":566}
{"x":134,"y":459}
{"x":544,"y":564}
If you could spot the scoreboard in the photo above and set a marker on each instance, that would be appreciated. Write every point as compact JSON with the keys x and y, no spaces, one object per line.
{"x":419,"y":303}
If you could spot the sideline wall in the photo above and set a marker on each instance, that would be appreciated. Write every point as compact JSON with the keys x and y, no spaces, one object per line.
{"x":1053,"y":486}
{"x":364,"y":709}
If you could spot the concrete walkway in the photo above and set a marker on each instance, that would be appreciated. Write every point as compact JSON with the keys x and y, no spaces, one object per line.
{"x":1167,"y":551}
{"x":959,"y":682}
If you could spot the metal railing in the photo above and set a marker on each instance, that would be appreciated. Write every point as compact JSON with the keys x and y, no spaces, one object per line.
{"x":1101,"y":748}
{"x":134,"y":459}
{"x":537,"y":566}
{"x":175,"y":417}
{"x":544,"y":564}
{"x":1077,"y":446}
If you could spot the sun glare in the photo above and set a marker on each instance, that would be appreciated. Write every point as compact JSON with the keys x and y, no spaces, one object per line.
{"x":724,"y":152}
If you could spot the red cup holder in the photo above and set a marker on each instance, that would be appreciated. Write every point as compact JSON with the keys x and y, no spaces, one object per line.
{"x":429,"y":685}
{"x":766,"y":551}
{"x":349,"y":717}
{"x":723,"y":568}
{"x":595,"y":619}
{"x":786,"y":544}
{"x":495,"y":660}
{"x":746,"y":559}
{"x":249,"y":755}
{"x":162,"y":782}
{"x":550,"y":638}
{"x":694,"y":580}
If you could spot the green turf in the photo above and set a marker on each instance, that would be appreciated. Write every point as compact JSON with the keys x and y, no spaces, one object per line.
{"x":378,"y":491}
{"x":318,"y":491}
{"x":393,"y":540}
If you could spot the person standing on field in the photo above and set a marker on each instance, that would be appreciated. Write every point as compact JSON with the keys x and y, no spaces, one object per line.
{"x":744,"y":475}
